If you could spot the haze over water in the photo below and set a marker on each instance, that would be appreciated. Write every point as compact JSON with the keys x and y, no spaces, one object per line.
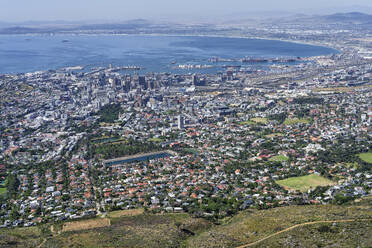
{"x":154,"y":53}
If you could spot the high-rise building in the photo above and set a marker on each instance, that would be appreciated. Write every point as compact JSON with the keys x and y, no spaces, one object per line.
{"x":181,"y":122}
{"x":142,"y":80}
{"x":112,"y":82}
{"x":195,"y":79}
{"x":230,"y":75}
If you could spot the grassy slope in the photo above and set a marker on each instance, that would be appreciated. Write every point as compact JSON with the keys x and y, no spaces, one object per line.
{"x":358,"y":234}
{"x":133,"y":231}
{"x":20,"y":237}
{"x":304,"y":183}
{"x":250,"y":226}
{"x":168,"y":230}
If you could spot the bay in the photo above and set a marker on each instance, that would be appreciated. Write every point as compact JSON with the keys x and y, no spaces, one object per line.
{"x":22,"y":53}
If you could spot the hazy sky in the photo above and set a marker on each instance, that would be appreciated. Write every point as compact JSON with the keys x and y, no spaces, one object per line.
{"x":21,"y":10}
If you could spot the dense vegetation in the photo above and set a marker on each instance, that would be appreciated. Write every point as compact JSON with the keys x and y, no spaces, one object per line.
{"x":281,"y":117}
{"x":346,"y":154}
{"x":215,"y":208}
{"x":308,"y":100}
{"x":114,"y":150}
{"x":109,"y":113}
{"x":12,"y":184}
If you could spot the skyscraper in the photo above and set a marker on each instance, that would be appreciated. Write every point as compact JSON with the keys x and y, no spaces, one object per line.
{"x":195,"y":80}
{"x":181,"y":122}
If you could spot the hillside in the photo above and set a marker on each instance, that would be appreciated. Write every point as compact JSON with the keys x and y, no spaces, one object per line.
{"x":328,"y":226}
{"x":349,"y":17}
{"x":349,"y":20}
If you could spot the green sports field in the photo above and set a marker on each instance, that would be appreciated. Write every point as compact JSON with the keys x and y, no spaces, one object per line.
{"x":366,"y":157}
{"x":246,"y":123}
{"x":156,"y":140}
{"x":259,"y":120}
{"x":295,"y":121}
{"x":279,"y":158}
{"x":304,"y":183}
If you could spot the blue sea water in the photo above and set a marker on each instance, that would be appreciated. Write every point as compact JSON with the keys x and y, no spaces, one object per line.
{"x":23,"y":53}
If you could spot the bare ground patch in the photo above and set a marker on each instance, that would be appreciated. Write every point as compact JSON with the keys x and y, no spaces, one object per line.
{"x":129,"y":212}
{"x":85,"y":224}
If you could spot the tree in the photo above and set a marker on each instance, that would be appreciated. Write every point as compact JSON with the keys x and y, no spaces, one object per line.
{"x":342,"y":199}
{"x":12,"y":184}
{"x":14,"y":215}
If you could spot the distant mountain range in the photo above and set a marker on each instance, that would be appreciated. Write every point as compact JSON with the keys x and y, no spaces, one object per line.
{"x":63,"y":27}
{"x":352,"y":17}
{"x":146,"y":26}
{"x":349,"y":20}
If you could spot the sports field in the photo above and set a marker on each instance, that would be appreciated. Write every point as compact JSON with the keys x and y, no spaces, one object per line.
{"x":304,"y":183}
{"x":246,"y":123}
{"x":259,"y":120}
{"x":156,"y":140}
{"x":279,"y":158}
{"x":274,"y":135}
{"x":366,"y":157}
{"x":295,"y":121}
{"x":254,"y":121}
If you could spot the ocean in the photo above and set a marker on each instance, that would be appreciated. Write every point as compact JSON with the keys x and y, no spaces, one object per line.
{"x":23,"y":53}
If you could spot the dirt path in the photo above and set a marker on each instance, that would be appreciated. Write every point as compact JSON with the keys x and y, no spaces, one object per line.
{"x":42,"y":243}
{"x":54,"y":235}
{"x":300,"y":225}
